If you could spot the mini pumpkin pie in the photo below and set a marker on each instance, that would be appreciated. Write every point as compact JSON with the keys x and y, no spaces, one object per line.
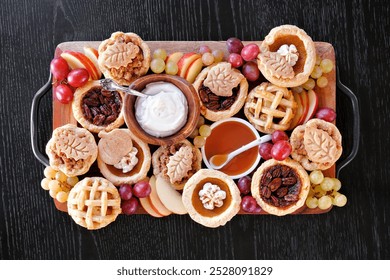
{"x":94,"y":203}
{"x":211,"y":198}
{"x":71,"y":150}
{"x":98,"y":109}
{"x":316,"y":144}
{"x":280,"y":187}
{"x":222,"y":91}
{"x":287,"y":56}
{"x":269,"y":108}
{"x":177,"y":163}
{"x":124,"y":57}
{"x":123,"y":158}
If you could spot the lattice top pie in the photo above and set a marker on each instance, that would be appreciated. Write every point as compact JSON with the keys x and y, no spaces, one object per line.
{"x":269,"y":108}
{"x":94,"y":203}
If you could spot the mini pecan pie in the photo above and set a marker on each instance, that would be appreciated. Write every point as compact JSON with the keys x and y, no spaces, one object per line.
{"x":280,"y":187}
{"x":222,"y":91}
{"x":72,"y":150}
{"x":211,"y":198}
{"x":177,"y":162}
{"x":123,"y":158}
{"x":97,"y":109}
{"x":124,"y":57}
{"x":287,"y":56}
{"x":316,"y":144}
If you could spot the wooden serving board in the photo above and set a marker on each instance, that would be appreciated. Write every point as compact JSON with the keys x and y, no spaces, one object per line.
{"x":62,"y":114}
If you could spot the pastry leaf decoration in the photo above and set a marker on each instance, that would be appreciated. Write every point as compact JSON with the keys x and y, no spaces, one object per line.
{"x":221,"y":79}
{"x":319,"y":145}
{"x":179,"y":164}
{"x":74,"y":147}
{"x":120,"y":54}
{"x":277,"y":65}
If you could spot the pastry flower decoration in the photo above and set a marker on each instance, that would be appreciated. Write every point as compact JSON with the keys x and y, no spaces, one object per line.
{"x":211,"y":196}
{"x":221,"y":79}
{"x":179,"y":164}
{"x":290,"y":53}
{"x":128,"y":162}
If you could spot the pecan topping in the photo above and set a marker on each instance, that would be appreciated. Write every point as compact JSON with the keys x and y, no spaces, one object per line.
{"x":275,"y":184}
{"x":214,"y":102}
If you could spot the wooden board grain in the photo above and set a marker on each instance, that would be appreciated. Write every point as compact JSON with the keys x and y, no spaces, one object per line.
{"x":62,"y":114}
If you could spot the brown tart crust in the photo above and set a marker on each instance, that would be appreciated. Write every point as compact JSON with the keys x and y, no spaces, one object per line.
{"x":124,"y":57}
{"x":280,"y":187}
{"x":97,"y":109}
{"x":214,"y":107}
{"x":184,"y":155}
{"x":218,"y":216}
{"x":71,"y":150}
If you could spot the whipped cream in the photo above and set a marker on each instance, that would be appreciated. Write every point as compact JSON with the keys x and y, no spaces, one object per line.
{"x":290,"y":53}
{"x":164,"y":111}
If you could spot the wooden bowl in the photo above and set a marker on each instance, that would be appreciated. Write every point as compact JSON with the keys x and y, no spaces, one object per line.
{"x":193,"y":109}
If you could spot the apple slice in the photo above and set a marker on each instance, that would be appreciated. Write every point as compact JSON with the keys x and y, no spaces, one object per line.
{"x":194,"y":70}
{"x":93,"y":55}
{"x":169,"y":196}
{"x":174,"y":57}
{"x":155,"y":200}
{"x":313,"y":105}
{"x":298,"y":113}
{"x":78,"y":60}
{"x":305,"y":105}
{"x":185,"y":61}
{"x":145,"y":202}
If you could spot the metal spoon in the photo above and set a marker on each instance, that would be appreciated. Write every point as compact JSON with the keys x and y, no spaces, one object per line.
{"x":219,"y":161}
{"x":110,"y":85}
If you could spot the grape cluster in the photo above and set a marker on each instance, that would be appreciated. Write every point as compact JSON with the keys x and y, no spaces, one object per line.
{"x":324,"y":192}
{"x":248,"y":203}
{"x":130,"y":193}
{"x":200,"y":133}
{"x":279,"y":149}
{"x":58,"y":184}
{"x":210,"y":56}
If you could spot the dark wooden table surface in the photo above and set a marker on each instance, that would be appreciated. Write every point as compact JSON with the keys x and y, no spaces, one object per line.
{"x":32,"y":228}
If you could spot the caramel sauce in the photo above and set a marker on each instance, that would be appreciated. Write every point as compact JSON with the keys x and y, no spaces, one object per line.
{"x":198,"y":205}
{"x":218,"y":160}
{"x":227,"y":137}
{"x":135,"y":170}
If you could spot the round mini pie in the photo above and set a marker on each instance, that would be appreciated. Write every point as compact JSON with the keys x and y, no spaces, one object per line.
{"x":97,"y":109}
{"x":280,"y":187}
{"x":177,"y":163}
{"x":123,"y":158}
{"x":124,"y":57}
{"x":72,"y":150}
{"x":94,"y":203}
{"x":287,"y":56}
{"x":316,"y":144}
{"x":222,"y":91}
{"x":211,"y":198}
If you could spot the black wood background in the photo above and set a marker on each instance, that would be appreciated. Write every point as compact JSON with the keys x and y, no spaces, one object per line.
{"x":32,"y":228}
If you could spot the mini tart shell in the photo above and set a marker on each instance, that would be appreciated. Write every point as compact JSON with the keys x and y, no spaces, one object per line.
{"x":220,"y":115}
{"x":78,"y":111}
{"x":304,"y":191}
{"x":156,"y":161}
{"x":278,"y":33}
{"x":132,"y":179}
{"x":217,"y":220}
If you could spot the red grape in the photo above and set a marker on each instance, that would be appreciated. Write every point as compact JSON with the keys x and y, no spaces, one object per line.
{"x":250,"y":71}
{"x":265,"y":150}
{"x":250,"y":52}
{"x":234,"y":45}
{"x":63,"y":93}
{"x":281,"y":150}
{"x":78,"y":77}
{"x":142,"y":189}
{"x":244,"y":184}
{"x":204,"y":49}
{"x":125,"y":191}
{"x":59,"y":68}
{"x":248,"y":204}
{"x":257,"y":210}
{"x":278,"y":135}
{"x":130,"y":206}
{"x":235,"y":60}
{"x":326,"y":114}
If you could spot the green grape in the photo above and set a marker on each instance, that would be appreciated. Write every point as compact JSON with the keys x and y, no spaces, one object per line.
{"x":318,"y":59}
{"x":322,"y":82}
{"x":317,"y":72}
{"x":310,"y":84}
{"x":199,"y":141}
{"x":327,"y":184}
{"x":207,"y":59}
{"x":157,"y":65}
{"x":298,"y":89}
{"x":62,"y":196}
{"x":49,"y":172}
{"x":72,"y":181}
{"x":339,"y":200}
{"x":336,"y":184}
{"x":171,"y":68}
{"x":218,"y":55}
{"x":326,"y":65}
{"x":312,"y":202}
{"x":194,"y":133}
{"x":45,"y":183}
{"x":324,"y":202}
{"x":61,"y":177}
{"x":160,"y":53}
{"x":54,"y":186}
{"x":200,"y":121}
{"x":316,"y":177}
{"x":319,"y":192}
{"x":205,"y":130}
